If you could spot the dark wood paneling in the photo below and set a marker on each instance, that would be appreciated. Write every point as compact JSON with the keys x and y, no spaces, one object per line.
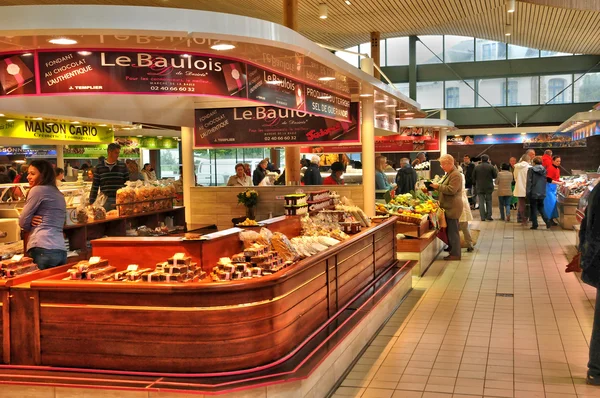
{"x":24,"y":327}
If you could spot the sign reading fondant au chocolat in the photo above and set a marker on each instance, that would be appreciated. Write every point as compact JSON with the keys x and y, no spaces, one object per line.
{"x":17,"y":74}
{"x":140,"y":72}
{"x":269,"y":125}
{"x":275,"y":89}
{"x":326,"y":103}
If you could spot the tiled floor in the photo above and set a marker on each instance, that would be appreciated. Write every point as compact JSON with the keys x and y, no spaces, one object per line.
{"x":455,"y":336}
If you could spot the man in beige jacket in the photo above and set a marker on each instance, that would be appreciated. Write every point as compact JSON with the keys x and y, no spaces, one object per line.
{"x":450,"y":197}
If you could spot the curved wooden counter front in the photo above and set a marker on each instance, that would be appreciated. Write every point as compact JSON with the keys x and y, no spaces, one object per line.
{"x":204,"y":327}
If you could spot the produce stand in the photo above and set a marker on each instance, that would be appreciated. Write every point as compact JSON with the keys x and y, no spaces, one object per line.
{"x":424,"y":250}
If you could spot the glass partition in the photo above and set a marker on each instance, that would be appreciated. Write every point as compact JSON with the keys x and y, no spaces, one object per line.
{"x":493,"y":91}
{"x":517,"y":52}
{"x":397,"y":51}
{"x":436,"y":44}
{"x":459,"y":49}
{"x":459,"y":95}
{"x":587,"y":88}
{"x":430,"y":95}
{"x":488,"y":50}
{"x":555,"y":89}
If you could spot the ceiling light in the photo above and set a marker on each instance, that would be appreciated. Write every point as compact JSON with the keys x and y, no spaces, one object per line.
{"x":523,"y":133}
{"x":490,"y":135}
{"x":407,"y":118}
{"x":390,"y":106}
{"x":84,"y":53}
{"x":457,"y":135}
{"x":510,"y":5}
{"x":365,"y":95}
{"x":185,"y":55}
{"x":409,"y":113}
{"x":591,"y":110}
{"x":326,"y":78}
{"x":27,"y":54}
{"x":102,"y":125}
{"x":1,"y":114}
{"x":398,"y":118}
{"x":222,"y":46}
{"x":323,"y":11}
{"x":402,"y":110}
{"x":324,"y":97}
{"x":63,"y":41}
{"x":74,"y":122}
{"x":379,"y":101}
{"x":38,"y":118}
{"x":10,"y":120}
{"x":50,"y":124}
{"x":586,"y":121}
{"x":139,"y":136}
{"x":508,"y":30}
{"x":348,"y":3}
{"x":381,"y":115}
{"x":159,"y":136}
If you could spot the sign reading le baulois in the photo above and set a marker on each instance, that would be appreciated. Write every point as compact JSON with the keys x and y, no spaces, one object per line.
{"x":34,"y":129}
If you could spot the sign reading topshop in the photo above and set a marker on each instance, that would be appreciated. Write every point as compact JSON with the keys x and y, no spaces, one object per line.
{"x":54,"y":131}
{"x":258,"y":126}
{"x":153,"y":72}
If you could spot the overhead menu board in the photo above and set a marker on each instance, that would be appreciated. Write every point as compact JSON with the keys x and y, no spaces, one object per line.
{"x":153,"y":72}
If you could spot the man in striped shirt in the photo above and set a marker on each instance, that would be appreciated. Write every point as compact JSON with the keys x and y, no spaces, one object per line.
{"x":109,"y":176}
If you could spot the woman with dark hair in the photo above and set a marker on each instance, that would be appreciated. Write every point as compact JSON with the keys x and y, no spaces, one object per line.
{"x":43,"y":217}
{"x":148,"y":173}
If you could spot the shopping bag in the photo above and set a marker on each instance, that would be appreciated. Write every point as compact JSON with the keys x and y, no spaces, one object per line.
{"x":550,"y":201}
{"x":441,"y":216}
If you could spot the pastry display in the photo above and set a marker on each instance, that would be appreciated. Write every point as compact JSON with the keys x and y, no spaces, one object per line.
{"x":295,"y":199}
{"x":139,"y":197}
{"x":296,"y":210}
{"x":318,"y":196}
{"x":16,"y":266}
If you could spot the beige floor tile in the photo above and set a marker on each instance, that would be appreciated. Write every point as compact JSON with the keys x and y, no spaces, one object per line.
{"x":377,"y":393}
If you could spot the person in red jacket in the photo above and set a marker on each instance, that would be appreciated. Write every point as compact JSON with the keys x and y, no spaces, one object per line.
{"x":553,"y":171}
{"x":337,"y":170}
{"x":547,"y":159}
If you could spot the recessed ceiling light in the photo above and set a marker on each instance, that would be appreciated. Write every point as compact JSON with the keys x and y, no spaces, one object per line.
{"x":102,"y":125}
{"x":222,"y":46}
{"x":75,"y":123}
{"x":1,"y":114}
{"x":490,"y":134}
{"x":27,"y":54}
{"x":402,"y":110}
{"x":326,"y":78}
{"x":159,"y":136}
{"x":408,"y":118}
{"x":324,"y":97}
{"x":10,"y":120}
{"x":390,"y":106}
{"x":381,"y":115}
{"x":457,"y":135}
{"x":379,"y":101}
{"x":63,"y":41}
{"x":348,"y":3}
{"x":523,"y":133}
{"x":38,"y":118}
{"x":84,"y":53}
{"x":508,"y":30}
{"x":323,"y":11}
{"x":510,"y":5}
{"x":365,"y":95}
{"x":139,"y":136}
{"x":409,"y":113}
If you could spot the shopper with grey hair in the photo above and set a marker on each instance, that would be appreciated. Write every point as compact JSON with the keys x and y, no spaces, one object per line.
{"x":312,"y":175}
{"x":450,"y":190}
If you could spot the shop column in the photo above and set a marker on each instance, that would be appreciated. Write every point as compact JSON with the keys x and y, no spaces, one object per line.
{"x":60,"y":158}
{"x":292,"y":155}
{"x":368,"y":143}
{"x":443,"y":135}
{"x":187,"y":161}
{"x":412,"y":67}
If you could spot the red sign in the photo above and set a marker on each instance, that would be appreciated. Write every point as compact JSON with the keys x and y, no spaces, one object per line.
{"x":387,"y":144}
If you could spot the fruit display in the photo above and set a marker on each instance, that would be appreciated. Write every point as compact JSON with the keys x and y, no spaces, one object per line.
{"x":410,"y":207}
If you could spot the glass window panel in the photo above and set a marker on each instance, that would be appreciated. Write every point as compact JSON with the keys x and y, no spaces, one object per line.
{"x":430,"y":95}
{"x":382,"y":54}
{"x":545,"y":53}
{"x":459,"y":49}
{"x":459,"y":94}
{"x":436,"y":44}
{"x":350,"y":58}
{"x":488,"y":50}
{"x":397,"y":51}
{"x":169,"y":163}
{"x":523,"y":90}
{"x":493,"y":90}
{"x":404,"y":88}
{"x":552,"y":89}
{"x":587,"y":89}
{"x":516,"y":52}
{"x":365,"y":48}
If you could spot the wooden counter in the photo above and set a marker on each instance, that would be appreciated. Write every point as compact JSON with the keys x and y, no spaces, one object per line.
{"x":18,"y":313}
{"x":200,"y":327}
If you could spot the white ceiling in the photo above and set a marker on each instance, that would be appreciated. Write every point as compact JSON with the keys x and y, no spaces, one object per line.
{"x":571,"y":26}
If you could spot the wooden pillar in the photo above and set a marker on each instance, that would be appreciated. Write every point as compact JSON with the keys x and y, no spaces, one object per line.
{"x":292,"y":154}
{"x":187,"y":162}
{"x":274,"y":156}
{"x":367,"y":133}
{"x":376,"y":52}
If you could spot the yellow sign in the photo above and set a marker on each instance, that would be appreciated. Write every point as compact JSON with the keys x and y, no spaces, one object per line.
{"x":34,"y":129}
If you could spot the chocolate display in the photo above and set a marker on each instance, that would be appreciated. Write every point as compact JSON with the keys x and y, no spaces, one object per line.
{"x":16,"y":267}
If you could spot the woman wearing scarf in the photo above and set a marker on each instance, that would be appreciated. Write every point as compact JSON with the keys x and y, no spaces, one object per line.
{"x":337,"y":170}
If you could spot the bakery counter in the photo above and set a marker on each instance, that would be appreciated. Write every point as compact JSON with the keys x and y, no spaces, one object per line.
{"x":200,"y":327}
{"x":17,"y":308}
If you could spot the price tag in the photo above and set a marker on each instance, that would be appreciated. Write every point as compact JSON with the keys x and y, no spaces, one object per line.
{"x":94,"y":260}
{"x":17,"y":257}
{"x":178,"y":256}
{"x":132,"y":267}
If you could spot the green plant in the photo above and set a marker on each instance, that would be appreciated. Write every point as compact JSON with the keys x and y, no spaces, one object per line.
{"x":248,"y":198}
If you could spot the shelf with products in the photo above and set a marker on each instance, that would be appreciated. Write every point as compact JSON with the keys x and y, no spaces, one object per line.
{"x":192,"y":327}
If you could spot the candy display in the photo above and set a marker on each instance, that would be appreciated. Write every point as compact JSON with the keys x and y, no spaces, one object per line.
{"x":16,"y":266}
{"x":256,"y":261}
{"x":317,"y":196}
{"x":177,"y":269}
{"x":137,"y":197}
{"x":295,"y":199}
{"x":296,"y":210}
